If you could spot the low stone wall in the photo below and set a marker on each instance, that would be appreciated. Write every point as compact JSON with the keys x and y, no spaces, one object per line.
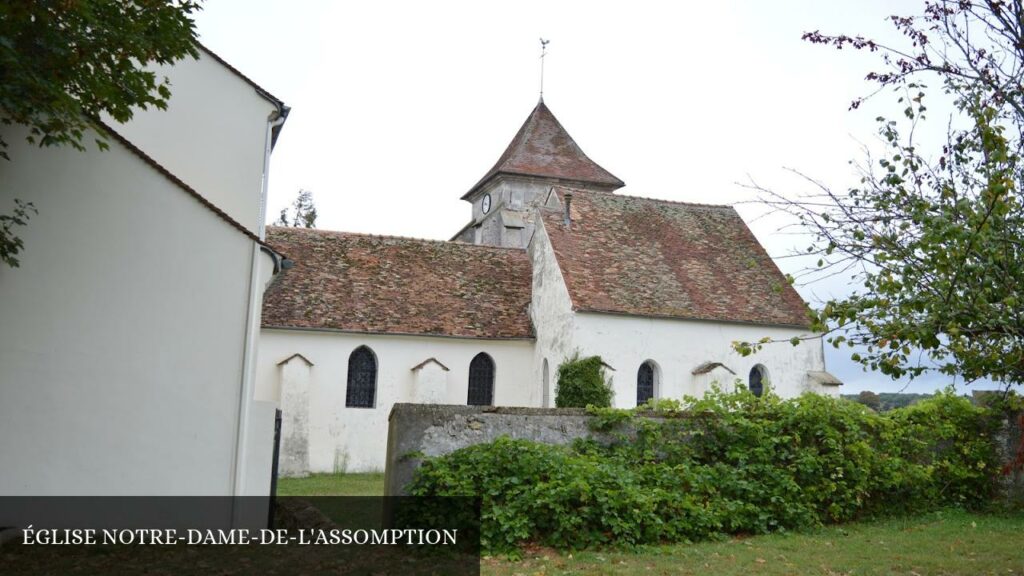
{"x":434,"y":430}
{"x":1011,"y":445}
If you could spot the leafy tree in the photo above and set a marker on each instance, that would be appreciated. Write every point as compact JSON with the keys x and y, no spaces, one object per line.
{"x":891,"y":400}
{"x":10,"y":244}
{"x":870,"y":399}
{"x":303,"y":212}
{"x":64,"y":64}
{"x":934,"y":230}
{"x":582,"y":383}
{"x":894,"y":400}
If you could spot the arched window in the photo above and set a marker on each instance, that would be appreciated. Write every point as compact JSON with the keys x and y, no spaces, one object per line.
{"x":362,"y":379}
{"x":758,"y":376}
{"x":645,"y":383}
{"x":481,"y":380}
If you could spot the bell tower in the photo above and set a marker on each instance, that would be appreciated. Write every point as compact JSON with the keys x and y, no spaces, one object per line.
{"x":541,"y":155}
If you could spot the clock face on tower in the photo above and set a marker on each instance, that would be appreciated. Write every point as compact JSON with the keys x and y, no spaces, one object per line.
{"x":485,"y":204}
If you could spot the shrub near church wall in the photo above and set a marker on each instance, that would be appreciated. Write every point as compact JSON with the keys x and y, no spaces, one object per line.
{"x":581,"y":383}
{"x":727,"y":464}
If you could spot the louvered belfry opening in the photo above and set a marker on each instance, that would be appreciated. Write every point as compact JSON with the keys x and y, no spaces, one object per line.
{"x":644,"y":383}
{"x":481,"y":380}
{"x":362,"y":379}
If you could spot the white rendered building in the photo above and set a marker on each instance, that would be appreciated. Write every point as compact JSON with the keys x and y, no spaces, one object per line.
{"x":128,"y":333}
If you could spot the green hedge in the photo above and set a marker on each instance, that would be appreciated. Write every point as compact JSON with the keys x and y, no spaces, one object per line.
{"x":729,"y":463}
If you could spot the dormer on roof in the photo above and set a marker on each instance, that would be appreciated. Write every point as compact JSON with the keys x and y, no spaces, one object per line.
{"x":543,"y":149}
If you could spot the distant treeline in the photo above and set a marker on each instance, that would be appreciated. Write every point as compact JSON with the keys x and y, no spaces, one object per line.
{"x":886,"y":401}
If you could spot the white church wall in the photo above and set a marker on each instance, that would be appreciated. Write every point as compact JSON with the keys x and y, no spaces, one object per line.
{"x":430,"y":384}
{"x":355,"y":439}
{"x":212,"y":134}
{"x":121,"y":334}
{"x":679,"y":346}
{"x":719,"y":375}
{"x":552,"y":315}
{"x":293,"y":386}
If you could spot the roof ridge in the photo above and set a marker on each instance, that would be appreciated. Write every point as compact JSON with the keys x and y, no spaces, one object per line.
{"x":661,"y":200}
{"x":394,"y":237}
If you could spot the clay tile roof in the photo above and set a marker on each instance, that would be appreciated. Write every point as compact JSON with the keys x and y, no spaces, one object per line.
{"x":543,"y":148}
{"x":381,"y":284}
{"x":629,"y":255}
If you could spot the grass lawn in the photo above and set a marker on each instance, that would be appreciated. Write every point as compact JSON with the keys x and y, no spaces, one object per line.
{"x":950,"y":542}
{"x":333,"y":485}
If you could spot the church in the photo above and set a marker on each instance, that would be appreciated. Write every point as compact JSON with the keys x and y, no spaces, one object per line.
{"x":554,"y":261}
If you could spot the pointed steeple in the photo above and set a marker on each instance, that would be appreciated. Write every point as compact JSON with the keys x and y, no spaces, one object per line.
{"x":542,"y":148}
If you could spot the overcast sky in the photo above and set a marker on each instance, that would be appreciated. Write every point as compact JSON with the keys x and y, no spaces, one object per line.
{"x":398,"y":108}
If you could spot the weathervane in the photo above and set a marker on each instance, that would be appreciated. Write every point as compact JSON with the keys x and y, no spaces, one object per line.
{"x":543,"y":53}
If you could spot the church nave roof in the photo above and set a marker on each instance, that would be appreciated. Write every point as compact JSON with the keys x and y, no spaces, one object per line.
{"x":385,"y":284}
{"x":639,"y":256}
